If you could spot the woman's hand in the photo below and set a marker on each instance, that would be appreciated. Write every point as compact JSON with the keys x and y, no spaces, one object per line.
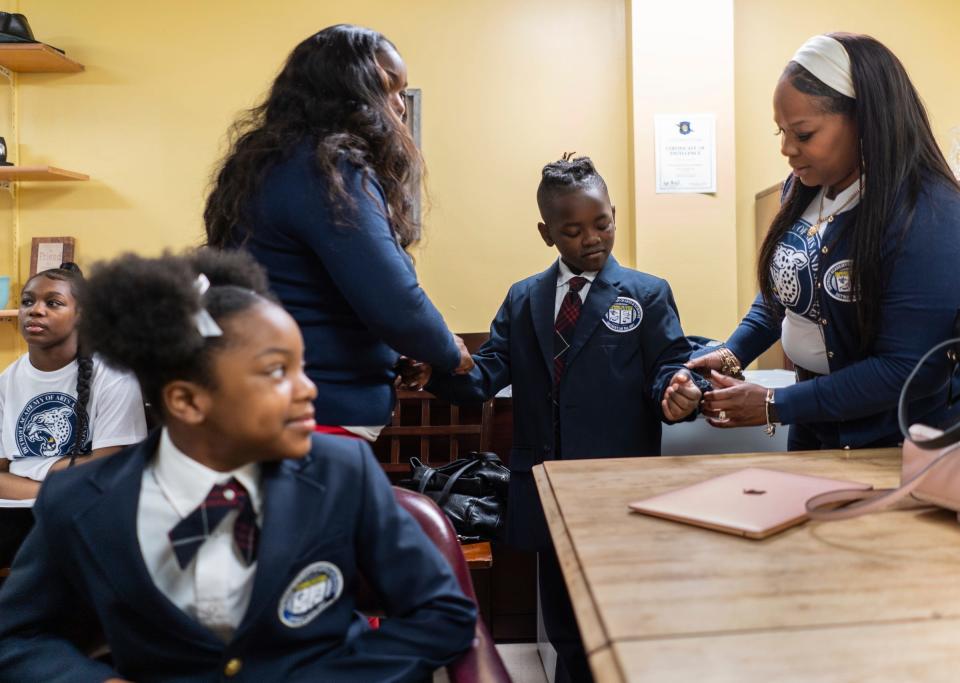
{"x":734,"y":403}
{"x":414,"y":374}
{"x":466,"y":360}
{"x":681,"y":397}
{"x":704,"y":364}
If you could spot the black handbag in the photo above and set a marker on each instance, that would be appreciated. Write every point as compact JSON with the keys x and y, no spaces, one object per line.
{"x":471,"y":491}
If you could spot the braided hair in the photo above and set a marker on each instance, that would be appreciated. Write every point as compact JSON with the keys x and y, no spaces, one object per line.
{"x":566,"y":175}
{"x":70,"y":273}
{"x":139,"y":313}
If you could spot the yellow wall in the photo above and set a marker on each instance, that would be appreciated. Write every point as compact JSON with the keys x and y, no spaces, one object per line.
{"x":507,"y":86}
{"x":922,"y":34}
{"x":682,"y":62}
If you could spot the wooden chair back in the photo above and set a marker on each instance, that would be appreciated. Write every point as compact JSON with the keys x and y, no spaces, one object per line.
{"x":433,"y":430}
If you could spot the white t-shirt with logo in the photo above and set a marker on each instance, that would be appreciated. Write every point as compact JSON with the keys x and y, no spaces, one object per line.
{"x":38,"y":414}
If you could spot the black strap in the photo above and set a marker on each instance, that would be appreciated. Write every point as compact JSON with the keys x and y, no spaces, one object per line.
{"x":952,"y":433}
{"x":421,"y":474}
{"x":453,"y":479}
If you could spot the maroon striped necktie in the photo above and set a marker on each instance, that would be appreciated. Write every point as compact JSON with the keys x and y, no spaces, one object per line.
{"x":565,"y":324}
{"x":190,"y":533}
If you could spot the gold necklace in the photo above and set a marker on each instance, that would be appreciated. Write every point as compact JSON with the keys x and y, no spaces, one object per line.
{"x":815,"y":228}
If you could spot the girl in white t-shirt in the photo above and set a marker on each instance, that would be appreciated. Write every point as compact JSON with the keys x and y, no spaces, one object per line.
{"x":55,"y":403}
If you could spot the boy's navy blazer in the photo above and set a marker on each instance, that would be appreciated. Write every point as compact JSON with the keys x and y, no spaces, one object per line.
{"x":82,"y":562}
{"x":610,"y":391}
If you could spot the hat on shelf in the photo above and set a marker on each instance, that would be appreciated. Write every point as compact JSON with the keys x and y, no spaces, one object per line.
{"x":14,"y":28}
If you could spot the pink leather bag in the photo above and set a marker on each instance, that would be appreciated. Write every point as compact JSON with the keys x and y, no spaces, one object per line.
{"x":930,"y":470}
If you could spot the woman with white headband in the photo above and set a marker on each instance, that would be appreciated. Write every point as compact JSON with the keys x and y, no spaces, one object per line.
{"x":860,"y":272}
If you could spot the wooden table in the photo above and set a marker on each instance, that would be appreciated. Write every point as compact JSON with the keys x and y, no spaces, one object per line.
{"x":870,"y":599}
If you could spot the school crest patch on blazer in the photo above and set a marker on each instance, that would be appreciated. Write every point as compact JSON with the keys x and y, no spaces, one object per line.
{"x":624,"y":315}
{"x":314,"y":589}
{"x":838,"y":281}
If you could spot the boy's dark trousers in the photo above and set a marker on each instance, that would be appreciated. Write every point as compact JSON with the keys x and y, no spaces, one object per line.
{"x":560,"y":622}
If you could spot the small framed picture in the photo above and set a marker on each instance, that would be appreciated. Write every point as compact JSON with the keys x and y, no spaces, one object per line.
{"x":50,"y":252}
{"x":412,"y":97}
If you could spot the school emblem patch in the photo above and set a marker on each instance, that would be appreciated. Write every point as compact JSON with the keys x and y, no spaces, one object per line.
{"x":624,"y":315}
{"x":313,"y":590}
{"x":838,"y":281}
{"x":47,"y":426}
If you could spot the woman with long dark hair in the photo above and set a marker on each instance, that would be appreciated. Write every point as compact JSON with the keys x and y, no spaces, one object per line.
{"x":860,"y":272}
{"x":319,"y":186}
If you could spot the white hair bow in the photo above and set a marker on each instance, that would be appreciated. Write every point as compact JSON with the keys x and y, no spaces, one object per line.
{"x":206,"y":325}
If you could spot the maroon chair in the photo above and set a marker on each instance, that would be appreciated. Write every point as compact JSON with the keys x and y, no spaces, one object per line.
{"x":481,"y":663}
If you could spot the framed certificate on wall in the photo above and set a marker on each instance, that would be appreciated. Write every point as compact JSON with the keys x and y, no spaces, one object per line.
{"x":49,"y":252}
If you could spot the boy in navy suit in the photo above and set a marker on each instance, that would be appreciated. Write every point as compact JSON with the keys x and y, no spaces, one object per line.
{"x":595,"y":354}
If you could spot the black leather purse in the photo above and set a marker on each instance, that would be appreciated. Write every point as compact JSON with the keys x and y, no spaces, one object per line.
{"x":471,"y":491}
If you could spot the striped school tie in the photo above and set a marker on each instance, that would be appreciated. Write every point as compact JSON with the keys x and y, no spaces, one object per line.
{"x":565,"y":324}
{"x":190,"y":533}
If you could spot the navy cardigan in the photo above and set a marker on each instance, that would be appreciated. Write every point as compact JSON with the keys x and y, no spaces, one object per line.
{"x":350,"y":286}
{"x":918,"y":308}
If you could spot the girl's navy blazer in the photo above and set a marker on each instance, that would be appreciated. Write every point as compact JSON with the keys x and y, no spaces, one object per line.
{"x":82,"y":563}
{"x":626,"y":347}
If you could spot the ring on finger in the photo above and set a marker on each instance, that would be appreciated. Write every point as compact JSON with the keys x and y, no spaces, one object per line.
{"x":722,"y":416}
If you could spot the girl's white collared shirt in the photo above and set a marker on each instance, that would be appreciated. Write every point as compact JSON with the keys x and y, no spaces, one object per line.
{"x":215,"y":587}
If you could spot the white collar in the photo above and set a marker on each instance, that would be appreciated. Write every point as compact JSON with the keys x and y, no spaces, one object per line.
{"x":565,"y":274}
{"x":185,"y":483}
{"x":842,"y":198}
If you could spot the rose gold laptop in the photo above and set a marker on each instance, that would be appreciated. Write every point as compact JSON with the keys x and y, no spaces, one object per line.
{"x":752,"y":502}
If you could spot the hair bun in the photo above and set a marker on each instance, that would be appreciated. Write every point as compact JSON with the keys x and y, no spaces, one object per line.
{"x":70,"y":267}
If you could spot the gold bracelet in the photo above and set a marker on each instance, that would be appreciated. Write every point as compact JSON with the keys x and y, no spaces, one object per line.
{"x":729,"y":363}
{"x":771,"y":428}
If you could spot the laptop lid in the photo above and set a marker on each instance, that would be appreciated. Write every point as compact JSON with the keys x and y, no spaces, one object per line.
{"x":752,"y":502}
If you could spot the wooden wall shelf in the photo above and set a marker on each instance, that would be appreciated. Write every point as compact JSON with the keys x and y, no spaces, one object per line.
{"x":9,"y":313}
{"x":36,"y":58}
{"x":39,"y":173}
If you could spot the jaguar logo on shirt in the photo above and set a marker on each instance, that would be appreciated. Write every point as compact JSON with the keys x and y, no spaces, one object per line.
{"x":47,"y":425}
{"x":313,"y":590}
{"x":794,"y":268}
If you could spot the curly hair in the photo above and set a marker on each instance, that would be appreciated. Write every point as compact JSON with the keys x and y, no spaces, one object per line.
{"x":897,"y":154}
{"x":70,"y":272}
{"x":330,"y":93}
{"x":139,"y":313}
{"x":563,"y":176}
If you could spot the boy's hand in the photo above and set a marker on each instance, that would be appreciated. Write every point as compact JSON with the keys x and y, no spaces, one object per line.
{"x":681,"y":397}
{"x":466,"y":360}
{"x":414,"y":374}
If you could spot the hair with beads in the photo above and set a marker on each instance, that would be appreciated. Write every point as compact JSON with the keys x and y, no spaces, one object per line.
{"x":566,"y":175}
{"x":140,"y":313}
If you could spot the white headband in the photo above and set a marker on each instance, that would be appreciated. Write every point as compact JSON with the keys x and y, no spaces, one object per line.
{"x":827,"y":59}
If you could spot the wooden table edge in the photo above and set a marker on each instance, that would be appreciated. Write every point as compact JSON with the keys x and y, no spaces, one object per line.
{"x":606,"y":666}
{"x":592,"y":630}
